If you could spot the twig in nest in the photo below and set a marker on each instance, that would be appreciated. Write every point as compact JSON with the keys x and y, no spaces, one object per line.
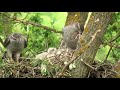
{"x":82,"y":50}
{"x":88,"y":65}
{"x":33,"y":72}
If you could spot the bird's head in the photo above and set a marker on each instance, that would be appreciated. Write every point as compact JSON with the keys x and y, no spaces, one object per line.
{"x":79,"y":28}
{"x":16,"y":36}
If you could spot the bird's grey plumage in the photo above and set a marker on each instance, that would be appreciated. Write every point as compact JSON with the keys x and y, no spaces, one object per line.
{"x":71,"y":35}
{"x":14,"y":44}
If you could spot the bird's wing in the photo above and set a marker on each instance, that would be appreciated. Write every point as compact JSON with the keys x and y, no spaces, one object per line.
{"x":7,"y":41}
{"x":25,"y":42}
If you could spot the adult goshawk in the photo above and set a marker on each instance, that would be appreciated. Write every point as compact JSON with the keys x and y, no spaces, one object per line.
{"x":71,"y":35}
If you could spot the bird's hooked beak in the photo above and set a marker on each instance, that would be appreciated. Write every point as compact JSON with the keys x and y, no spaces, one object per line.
{"x":14,"y":38}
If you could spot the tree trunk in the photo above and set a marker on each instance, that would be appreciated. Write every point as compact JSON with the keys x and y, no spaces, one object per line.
{"x":83,"y":18}
{"x":97,"y":21}
{"x":76,"y":17}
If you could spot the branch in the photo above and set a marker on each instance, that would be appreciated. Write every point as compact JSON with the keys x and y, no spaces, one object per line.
{"x":38,"y":25}
{"x":88,"y":65}
{"x":82,"y":50}
{"x":1,"y":41}
{"x":108,"y":54}
{"x":88,"y":18}
{"x":116,"y":37}
{"x":34,"y":24}
{"x":117,"y":46}
{"x":26,"y":15}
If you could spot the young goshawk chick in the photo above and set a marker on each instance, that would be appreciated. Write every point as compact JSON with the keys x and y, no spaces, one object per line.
{"x":14,"y":44}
